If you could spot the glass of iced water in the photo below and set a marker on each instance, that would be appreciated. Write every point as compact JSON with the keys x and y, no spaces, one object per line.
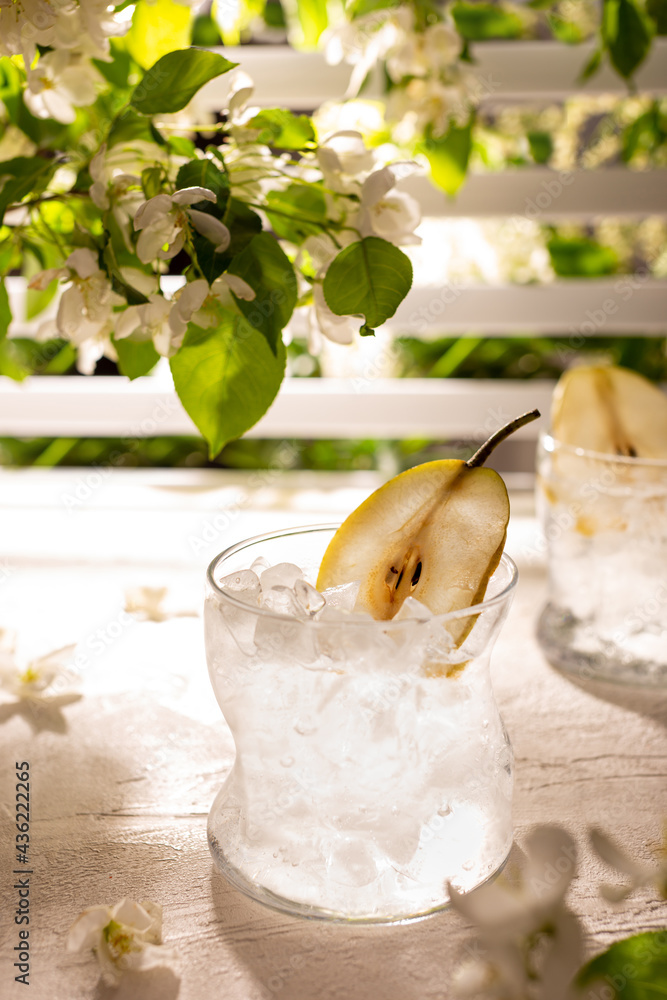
{"x":604,"y":519}
{"x":372,"y":766}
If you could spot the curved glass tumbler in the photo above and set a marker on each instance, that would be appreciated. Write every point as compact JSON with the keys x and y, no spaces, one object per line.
{"x":604,"y":519}
{"x":372,"y":766}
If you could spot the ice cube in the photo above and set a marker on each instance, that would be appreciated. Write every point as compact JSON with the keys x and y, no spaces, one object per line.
{"x":244,"y":586}
{"x":282,"y":600}
{"x":285,"y":642}
{"x":281,"y":575}
{"x":343,"y":597}
{"x":352,"y":862}
{"x":413,"y":609}
{"x":310,"y":599}
{"x":259,"y":565}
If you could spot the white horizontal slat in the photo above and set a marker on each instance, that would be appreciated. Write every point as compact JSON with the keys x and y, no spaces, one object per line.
{"x":305,"y":408}
{"x":625,"y":304}
{"x":542,"y":195}
{"x":523,"y":70}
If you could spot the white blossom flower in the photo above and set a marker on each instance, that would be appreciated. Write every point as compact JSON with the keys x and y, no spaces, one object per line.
{"x":426,"y":103}
{"x":146,"y":603}
{"x":527,"y":935}
{"x":345,"y":160}
{"x":392,"y":215}
{"x":339,"y":329}
{"x":365,"y":40}
{"x":24,"y":24}
{"x":85,"y":311}
{"x":193,"y":301}
{"x":365,"y":117}
{"x":424,"y":53}
{"x":81,"y":25}
{"x":126,"y":936}
{"x":640,"y":875}
{"x":165,"y":321}
{"x":116,"y":183}
{"x":58,"y":84}
{"x":149,"y":321}
{"x":38,"y":679}
{"x":163,"y":221}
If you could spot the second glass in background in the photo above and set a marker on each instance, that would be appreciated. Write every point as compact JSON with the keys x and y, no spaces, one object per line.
{"x":605,"y":521}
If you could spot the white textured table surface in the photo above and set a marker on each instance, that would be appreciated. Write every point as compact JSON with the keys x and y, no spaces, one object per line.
{"x":122,"y":779}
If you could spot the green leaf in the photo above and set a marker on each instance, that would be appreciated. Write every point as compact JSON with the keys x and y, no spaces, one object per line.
{"x":226,"y":378}
{"x":9,"y":363}
{"x":632,"y":969}
{"x":151,"y":181}
{"x":290,"y":212}
{"x":541,"y":146}
{"x":181,"y":146}
{"x":112,"y":264}
{"x":313,"y":20}
{"x":370,"y":278}
{"x":591,"y":67}
{"x":5,"y":311}
{"x":116,"y":72}
{"x":129,"y":127}
{"x":205,"y":31}
{"x":135,"y":357}
{"x":448,"y":157}
{"x":578,"y":257}
{"x":22,"y":176}
{"x":283,"y":129}
{"x":204,"y":173}
{"x":657,"y":10}
{"x":175,"y":78}
{"x":158,"y":28}
{"x":480,"y":21}
{"x":243,"y":224}
{"x":627,"y":34}
{"x":36,"y":259}
{"x":270,"y":273}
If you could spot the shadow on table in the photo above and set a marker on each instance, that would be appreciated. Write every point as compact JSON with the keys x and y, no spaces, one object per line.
{"x":154,"y":984}
{"x":649,"y":702}
{"x":44,"y":715}
{"x":298,"y":959}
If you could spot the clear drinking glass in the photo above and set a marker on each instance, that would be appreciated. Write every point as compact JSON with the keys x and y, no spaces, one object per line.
{"x":372,"y":765}
{"x":605,"y":522}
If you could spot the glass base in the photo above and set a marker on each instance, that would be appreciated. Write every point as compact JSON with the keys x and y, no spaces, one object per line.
{"x":248,"y":877}
{"x":574,"y":647}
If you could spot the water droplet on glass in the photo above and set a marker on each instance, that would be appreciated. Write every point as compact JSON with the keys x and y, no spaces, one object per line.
{"x":445,"y":809}
{"x":287,"y":761}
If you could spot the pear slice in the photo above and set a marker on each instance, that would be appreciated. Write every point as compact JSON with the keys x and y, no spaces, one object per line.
{"x":610,"y":410}
{"x":435,"y":533}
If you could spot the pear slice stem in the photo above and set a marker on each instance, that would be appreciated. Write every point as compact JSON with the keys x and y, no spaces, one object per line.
{"x":481,"y":455}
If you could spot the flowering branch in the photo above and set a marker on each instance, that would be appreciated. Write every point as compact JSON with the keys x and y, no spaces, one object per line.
{"x":97,"y":185}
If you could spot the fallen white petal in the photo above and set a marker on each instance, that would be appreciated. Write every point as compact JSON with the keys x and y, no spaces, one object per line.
{"x":86,"y":929}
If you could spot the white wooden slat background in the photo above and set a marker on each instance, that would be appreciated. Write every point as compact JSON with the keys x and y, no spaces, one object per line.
{"x":371,"y":406}
{"x":509,"y":71}
{"x":307,"y":408}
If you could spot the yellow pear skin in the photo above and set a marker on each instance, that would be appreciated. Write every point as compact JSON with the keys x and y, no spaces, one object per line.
{"x":435,"y":532}
{"x":610,"y":410}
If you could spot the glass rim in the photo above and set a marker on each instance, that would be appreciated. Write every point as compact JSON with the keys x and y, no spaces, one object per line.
{"x":600,"y":456}
{"x":474,"y":609}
